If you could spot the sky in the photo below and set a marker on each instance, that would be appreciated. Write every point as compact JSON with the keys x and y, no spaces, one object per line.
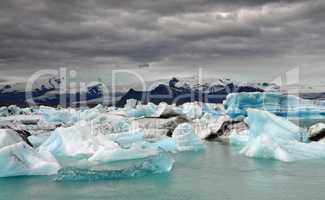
{"x":240,"y":39}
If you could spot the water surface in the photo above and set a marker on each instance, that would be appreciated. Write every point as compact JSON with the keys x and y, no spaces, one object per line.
{"x":217,"y":173}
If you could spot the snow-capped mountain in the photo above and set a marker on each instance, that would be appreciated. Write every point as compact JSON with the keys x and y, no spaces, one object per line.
{"x":46,"y":91}
{"x":180,"y":92}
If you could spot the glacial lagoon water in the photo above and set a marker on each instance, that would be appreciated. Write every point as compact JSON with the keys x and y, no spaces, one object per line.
{"x":219,"y":172}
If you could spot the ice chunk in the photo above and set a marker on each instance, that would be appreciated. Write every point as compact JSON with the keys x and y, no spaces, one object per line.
{"x":69,"y":116}
{"x":76,"y":141}
{"x":127,"y":138}
{"x":4,"y":111}
{"x":131,"y":103}
{"x":142,"y":111}
{"x":208,"y":126}
{"x":109,"y":123}
{"x":136,"y":151}
{"x":166,"y":144}
{"x":157,"y":127}
{"x":185,"y":138}
{"x":52,"y":115}
{"x":38,"y":139}
{"x":289,"y":106}
{"x":21,"y":159}
{"x":81,"y":142}
{"x":9,"y":137}
{"x":215,"y":110}
{"x":161,"y":163}
{"x":274,"y":137}
{"x":193,"y":110}
{"x":165,"y":111}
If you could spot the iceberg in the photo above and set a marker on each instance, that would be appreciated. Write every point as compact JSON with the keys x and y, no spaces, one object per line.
{"x":9,"y":137}
{"x":109,"y":123}
{"x":157,"y":127}
{"x":166,"y":144}
{"x":63,"y":116}
{"x":38,"y":139}
{"x":290,"y":106}
{"x":193,"y":110}
{"x":186,"y":139}
{"x":81,"y":142}
{"x":128,"y":138}
{"x":20,"y":159}
{"x":147,"y":110}
{"x":273,"y":137}
{"x":4,"y":112}
{"x":161,"y":163}
{"x":136,"y":151}
{"x":69,"y":116}
{"x":166,"y":111}
{"x":78,"y":141}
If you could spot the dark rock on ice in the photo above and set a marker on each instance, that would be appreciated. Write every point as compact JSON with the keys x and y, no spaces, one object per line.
{"x":316,"y":132}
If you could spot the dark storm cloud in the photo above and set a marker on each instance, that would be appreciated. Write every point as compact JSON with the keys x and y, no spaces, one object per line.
{"x":46,"y":33}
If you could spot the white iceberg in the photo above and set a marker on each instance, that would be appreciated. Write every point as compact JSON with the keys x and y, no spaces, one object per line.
{"x":9,"y":137}
{"x":76,"y":141}
{"x":21,"y":159}
{"x":136,"y":151}
{"x":193,"y":110}
{"x":17,"y":158}
{"x":165,"y":111}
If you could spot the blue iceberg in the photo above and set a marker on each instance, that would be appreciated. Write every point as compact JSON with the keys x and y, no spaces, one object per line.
{"x":186,"y":139}
{"x":147,"y":110}
{"x":161,"y":163}
{"x":273,"y":137}
{"x":290,"y":106}
{"x":20,"y":159}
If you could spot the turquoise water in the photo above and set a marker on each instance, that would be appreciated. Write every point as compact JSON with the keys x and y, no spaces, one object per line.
{"x":217,"y":173}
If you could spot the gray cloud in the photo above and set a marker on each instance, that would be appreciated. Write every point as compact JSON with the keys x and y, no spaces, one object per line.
{"x":48,"y":33}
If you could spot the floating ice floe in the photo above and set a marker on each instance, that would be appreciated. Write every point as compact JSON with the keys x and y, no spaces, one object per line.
{"x":18,"y":158}
{"x":21,"y":159}
{"x":289,"y":106}
{"x":158,"y":164}
{"x":193,"y":110}
{"x":69,"y":115}
{"x":52,"y":115}
{"x":273,"y":137}
{"x":186,"y":139}
{"x":79,"y":141}
{"x":157,"y":127}
{"x":147,"y":110}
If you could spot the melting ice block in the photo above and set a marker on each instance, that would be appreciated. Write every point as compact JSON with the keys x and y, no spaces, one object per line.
{"x":291,"y":106}
{"x":76,"y":141}
{"x":147,"y":110}
{"x":52,"y":115}
{"x":193,"y":110}
{"x":9,"y":137}
{"x":69,"y":115}
{"x":161,"y":163}
{"x":136,"y":151}
{"x":21,"y":159}
{"x":185,"y":138}
{"x":165,"y":111}
{"x":270,"y":136}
